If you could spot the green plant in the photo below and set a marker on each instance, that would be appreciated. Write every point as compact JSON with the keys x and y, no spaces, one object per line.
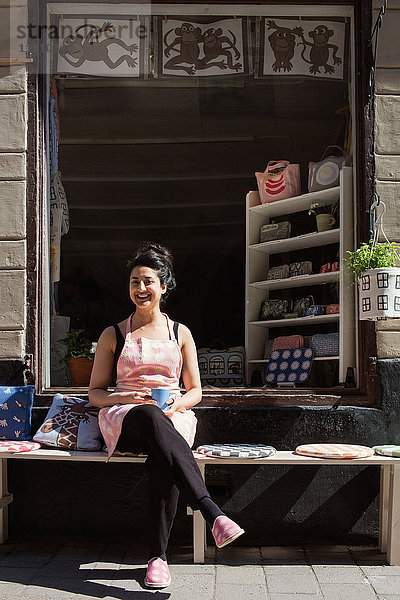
{"x":78,"y":345}
{"x":327,"y":209}
{"x":368,"y":256}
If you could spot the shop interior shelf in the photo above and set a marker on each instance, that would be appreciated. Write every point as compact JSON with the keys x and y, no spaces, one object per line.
{"x":297,"y":203}
{"x":266,"y":360}
{"x":300,"y":280}
{"x":297,"y":321}
{"x":308,"y":240}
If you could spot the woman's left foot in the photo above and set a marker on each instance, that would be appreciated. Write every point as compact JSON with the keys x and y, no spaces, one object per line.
{"x":157,"y":574}
{"x":225,"y":531}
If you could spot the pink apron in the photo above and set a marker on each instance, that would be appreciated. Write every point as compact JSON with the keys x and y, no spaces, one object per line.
{"x":143,"y":365}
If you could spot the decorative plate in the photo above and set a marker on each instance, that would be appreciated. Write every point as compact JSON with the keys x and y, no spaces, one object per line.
{"x":388,"y":450}
{"x":334,"y":451}
{"x":237,"y":450}
{"x":11,"y":446}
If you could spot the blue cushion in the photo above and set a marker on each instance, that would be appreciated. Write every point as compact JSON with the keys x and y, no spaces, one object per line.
{"x":289,"y":366}
{"x":72,"y":424}
{"x":15,"y":412}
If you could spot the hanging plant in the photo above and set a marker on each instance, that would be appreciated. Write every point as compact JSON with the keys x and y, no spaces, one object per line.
{"x":378,"y":277}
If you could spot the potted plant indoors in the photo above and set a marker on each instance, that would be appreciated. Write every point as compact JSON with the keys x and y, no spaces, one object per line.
{"x":324,"y":215}
{"x":378,"y":278}
{"x":79,"y":356}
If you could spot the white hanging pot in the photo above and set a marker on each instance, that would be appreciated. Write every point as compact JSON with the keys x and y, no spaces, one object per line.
{"x":379,"y":294}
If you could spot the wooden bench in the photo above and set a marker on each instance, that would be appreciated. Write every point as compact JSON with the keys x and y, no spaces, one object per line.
{"x":389,"y":513}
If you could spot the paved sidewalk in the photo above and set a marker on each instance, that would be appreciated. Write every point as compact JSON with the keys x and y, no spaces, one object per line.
{"x":46,"y":569}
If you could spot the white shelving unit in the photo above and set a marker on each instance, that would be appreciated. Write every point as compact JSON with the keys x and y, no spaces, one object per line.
{"x":257,"y":263}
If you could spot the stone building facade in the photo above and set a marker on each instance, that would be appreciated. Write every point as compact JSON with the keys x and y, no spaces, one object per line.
{"x":380,"y":421}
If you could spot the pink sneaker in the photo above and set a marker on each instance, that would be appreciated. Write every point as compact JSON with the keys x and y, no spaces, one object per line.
{"x":157,"y":574}
{"x":225,"y":531}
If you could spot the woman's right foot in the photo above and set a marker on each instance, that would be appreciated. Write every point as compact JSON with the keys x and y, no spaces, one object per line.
{"x":225,"y":531}
{"x":157,"y":574}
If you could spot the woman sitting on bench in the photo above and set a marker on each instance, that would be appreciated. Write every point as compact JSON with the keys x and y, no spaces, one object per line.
{"x":152,"y":352}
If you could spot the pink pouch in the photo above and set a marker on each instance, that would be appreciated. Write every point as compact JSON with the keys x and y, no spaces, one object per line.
{"x":287,"y":342}
{"x":280,"y":180}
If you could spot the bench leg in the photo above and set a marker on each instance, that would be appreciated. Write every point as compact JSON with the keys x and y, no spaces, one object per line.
{"x":393,"y":538}
{"x":5,"y":499}
{"x":199,"y":531}
{"x":384,"y":507}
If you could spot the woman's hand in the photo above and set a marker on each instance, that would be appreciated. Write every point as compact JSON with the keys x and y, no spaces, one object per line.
{"x":175,"y":406}
{"x":135,"y":397}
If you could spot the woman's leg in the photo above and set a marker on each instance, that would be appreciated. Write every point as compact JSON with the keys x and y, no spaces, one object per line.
{"x":163,"y":502}
{"x":156,"y":433}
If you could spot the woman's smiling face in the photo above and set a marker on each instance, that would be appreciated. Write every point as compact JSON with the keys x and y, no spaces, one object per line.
{"x":145,"y":288}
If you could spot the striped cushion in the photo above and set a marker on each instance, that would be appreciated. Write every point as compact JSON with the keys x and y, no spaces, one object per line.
{"x":388,"y":450}
{"x":237,"y":450}
{"x":334,"y":451}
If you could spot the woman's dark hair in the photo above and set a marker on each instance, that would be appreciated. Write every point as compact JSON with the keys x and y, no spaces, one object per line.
{"x":156,"y":257}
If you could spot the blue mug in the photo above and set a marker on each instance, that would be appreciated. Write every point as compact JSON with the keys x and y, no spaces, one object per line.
{"x":161,"y":396}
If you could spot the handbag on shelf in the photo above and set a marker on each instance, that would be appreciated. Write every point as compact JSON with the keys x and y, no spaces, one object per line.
{"x":287,"y":342}
{"x":325,"y":173}
{"x":280,"y":180}
{"x":300,"y":268}
{"x":325,"y":344}
{"x":275,"y":231}
{"x":300,"y":304}
{"x":273,"y":309}
{"x":332,"y":309}
{"x":281,"y":272}
{"x":268,"y":348}
{"x":314,"y":310}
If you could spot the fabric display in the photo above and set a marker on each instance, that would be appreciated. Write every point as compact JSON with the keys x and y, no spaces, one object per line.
{"x":287,"y":342}
{"x":332,"y":309}
{"x":273,"y":309}
{"x":300,"y":268}
{"x":221,"y":367}
{"x":54,"y":129}
{"x":289,"y":366}
{"x":301,"y":303}
{"x":326,"y":172}
{"x":237,"y":450}
{"x":18,"y":446}
{"x":72,"y":424}
{"x":189,"y":46}
{"x":314,"y":310}
{"x":334,"y":451}
{"x":387,"y":450}
{"x":325,"y":344}
{"x":280,"y":180}
{"x":328,"y":267}
{"x":281,"y":272}
{"x":275,"y":231}
{"x":15,"y":412}
{"x":335,"y":266}
{"x":59,"y":224}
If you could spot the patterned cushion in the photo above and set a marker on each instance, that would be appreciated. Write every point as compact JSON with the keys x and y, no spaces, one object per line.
{"x":237,"y":450}
{"x":18,"y":446}
{"x":15,"y":412}
{"x":291,"y":366}
{"x":72,"y":424}
{"x":388,"y":450}
{"x":334,"y":451}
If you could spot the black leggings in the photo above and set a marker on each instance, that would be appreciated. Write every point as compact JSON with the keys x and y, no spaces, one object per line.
{"x":171,"y":467}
